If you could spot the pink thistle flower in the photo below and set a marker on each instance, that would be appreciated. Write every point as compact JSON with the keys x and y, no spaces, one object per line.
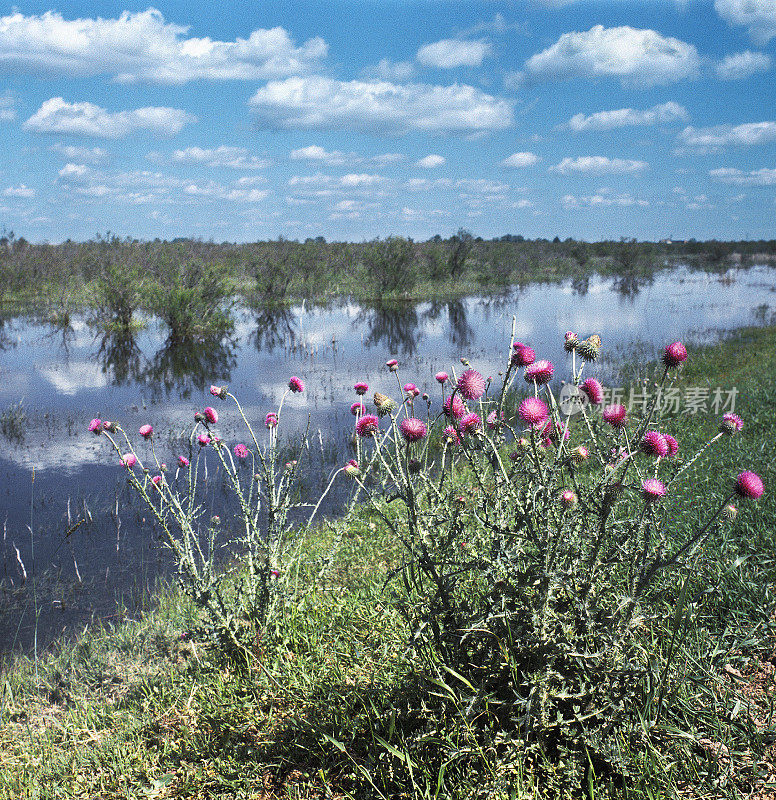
{"x":95,"y":426}
{"x":411,"y":389}
{"x":183,"y":461}
{"x":218,"y":391}
{"x":203,"y":439}
{"x":146,"y":431}
{"x":471,"y":385}
{"x":441,"y":377}
{"x":731,"y":424}
{"x":392,"y":364}
{"x":749,"y":484}
{"x":413,"y":430}
{"x":211,"y":415}
{"x":454,"y":407}
{"x":493,"y":421}
{"x":674,"y":354}
{"x":357,"y":408}
{"x":351,"y":469}
{"x":241,"y":451}
{"x":568,"y":498}
{"x":580,"y":455}
{"x":271,"y":420}
{"x":361,"y":388}
{"x":539,"y":372}
{"x":654,"y":444}
{"x":571,"y":340}
{"x":523,"y":355}
{"x":594,"y":391}
{"x":616,"y":416}
{"x":295,"y":384}
{"x":652,"y":489}
{"x":470,"y":423}
{"x":533,"y":411}
{"x":450,"y":434}
{"x":129,"y":460}
{"x":367,"y":425}
{"x":156,"y":480}
{"x":673,"y":445}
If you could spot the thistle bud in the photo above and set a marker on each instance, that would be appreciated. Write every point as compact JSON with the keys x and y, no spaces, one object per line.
{"x":590,"y":348}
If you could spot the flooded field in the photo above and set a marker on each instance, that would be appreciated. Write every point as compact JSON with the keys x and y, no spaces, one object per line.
{"x":75,"y":548}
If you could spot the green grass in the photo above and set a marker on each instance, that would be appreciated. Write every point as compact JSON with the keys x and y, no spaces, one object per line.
{"x":335,"y":702}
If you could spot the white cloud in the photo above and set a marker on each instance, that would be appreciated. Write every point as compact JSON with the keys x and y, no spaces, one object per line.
{"x":314,"y":152}
{"x":756,"y":177}
{"x":88,"y":155}
{"x":742,"y":65}
{"x":639,"y":58}
{"x":88,"y":119}
{"x":711,"y":140}
{"x":758,"y":16}
{"x":432,"y":160}
{"x":223,"y":156}
{"x":451,"y":53}
{"x":599,"y":165}
{"x":387,"y":70}
{"x":622,"y":117}
{"x":220,"y":192}
{"x":603,"y":199}
{"x":518,"y":160}
{"x":19,"y":191}
{"x":379,"y":107}
{"x":7,"y":107}
{"x":144,"y":47}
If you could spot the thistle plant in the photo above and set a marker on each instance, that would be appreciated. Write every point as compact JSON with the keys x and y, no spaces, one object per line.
{"x":532,"y":539}
{"x":238,"y":601}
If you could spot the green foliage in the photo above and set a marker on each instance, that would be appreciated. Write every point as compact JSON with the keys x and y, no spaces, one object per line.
{"x":191,"y":299}
{"x":390,"y":265}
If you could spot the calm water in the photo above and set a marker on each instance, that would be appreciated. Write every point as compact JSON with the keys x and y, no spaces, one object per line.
{"x":58,"y":474}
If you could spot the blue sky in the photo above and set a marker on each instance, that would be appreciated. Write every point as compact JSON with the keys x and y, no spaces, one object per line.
{"x":246,"y":121}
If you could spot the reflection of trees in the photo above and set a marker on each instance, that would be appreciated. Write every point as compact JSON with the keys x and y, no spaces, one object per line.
{"x":581,"y":285}
{"x":185,"y":366}
{"x":120,"y":356}
{"x":629,"y":284}
{"x":461,"y":333}
{"x":391,"y":325}
{"x":274,"y":328}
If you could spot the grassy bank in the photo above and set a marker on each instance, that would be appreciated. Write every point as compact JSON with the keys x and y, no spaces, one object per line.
{"x":334,"y":703}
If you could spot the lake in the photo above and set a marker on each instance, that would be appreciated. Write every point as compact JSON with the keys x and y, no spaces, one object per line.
{"x":69,"y":523}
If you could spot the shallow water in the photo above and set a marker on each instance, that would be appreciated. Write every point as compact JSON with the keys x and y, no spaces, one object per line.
{"x":58,"y":474}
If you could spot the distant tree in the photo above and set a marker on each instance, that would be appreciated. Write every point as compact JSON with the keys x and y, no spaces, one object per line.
{"x":460,"y":246}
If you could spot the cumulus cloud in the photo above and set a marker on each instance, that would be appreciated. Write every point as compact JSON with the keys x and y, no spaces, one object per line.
{"x":742,"y":65}
{"x":639,"y":58}
{"x":19,"y":191}
{"x":599,"y":165}
{"x":7,"y":107}
{"x":87,"y":155}
{"x":432,"y":160}
{"x":387,"y":70}
{"x":88,"y":119}
{"x":379,"y":107}
{"x":622,"y":117}
{"x":518,"y":160}
{"x":144,"y":47}
{"x":603,"y":199}
{"x":135,"y":186}
{"x":756,"y":177}
{"x":223,"y":156}
{"x":711,"y":140}
{"x":758,"y":16}
{"x":451,"y":53}
{"x":314,"y":152}
{"x":220,"y":192}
